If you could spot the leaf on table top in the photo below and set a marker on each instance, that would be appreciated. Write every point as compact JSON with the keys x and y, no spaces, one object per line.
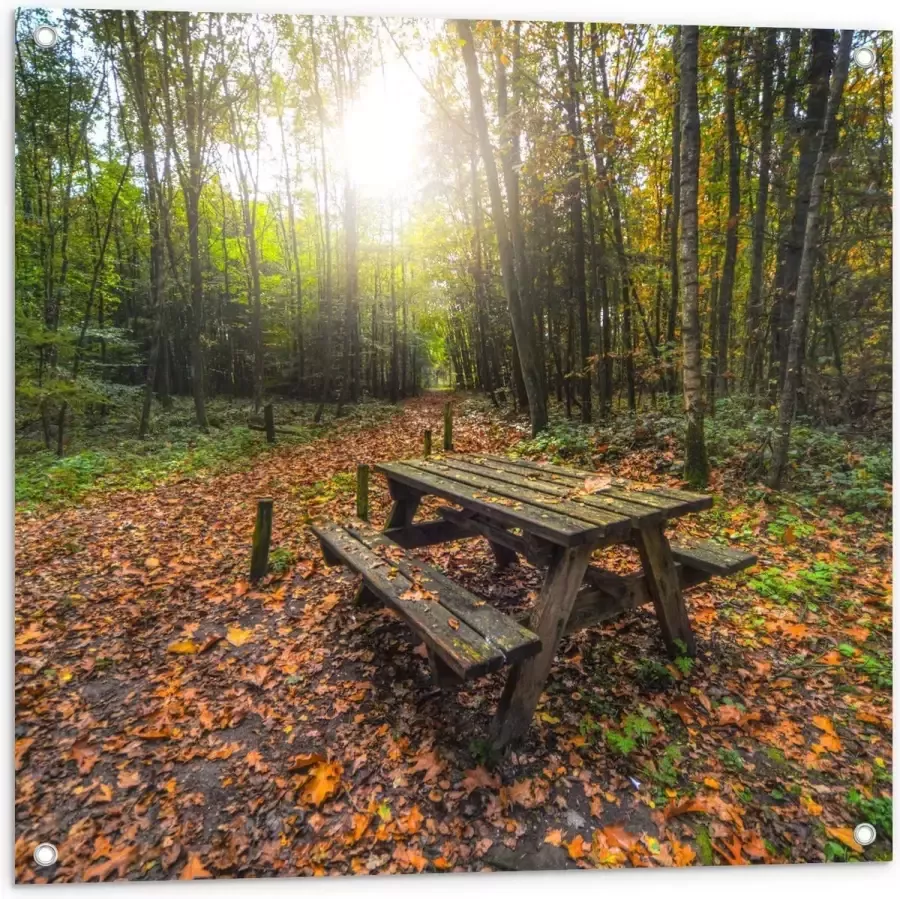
{"x":597,"y":483}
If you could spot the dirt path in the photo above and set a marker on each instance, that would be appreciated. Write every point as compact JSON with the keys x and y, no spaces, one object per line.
{"x":174,"y":722}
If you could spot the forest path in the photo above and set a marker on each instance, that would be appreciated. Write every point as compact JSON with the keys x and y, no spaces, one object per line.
{"x":175,"y":722}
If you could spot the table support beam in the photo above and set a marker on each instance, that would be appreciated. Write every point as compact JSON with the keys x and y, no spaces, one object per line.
{"x":662,"y":582}
{"x":406,"y":503}
{"x":548,"y":620}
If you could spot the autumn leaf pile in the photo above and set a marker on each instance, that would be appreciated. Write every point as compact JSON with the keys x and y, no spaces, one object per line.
{"x":173,"y":721}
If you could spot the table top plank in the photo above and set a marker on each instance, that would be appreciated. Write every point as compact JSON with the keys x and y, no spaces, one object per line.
{"x":612,"y":522}
{"x":673,"y":502}
{"x":637,"y":512}
{"x":552,"y":526}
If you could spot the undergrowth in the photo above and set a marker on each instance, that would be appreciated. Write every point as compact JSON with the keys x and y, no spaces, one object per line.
{"x":105,"y":454}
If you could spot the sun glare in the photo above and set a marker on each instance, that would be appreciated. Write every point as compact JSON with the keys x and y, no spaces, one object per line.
{"x":381,"y":131}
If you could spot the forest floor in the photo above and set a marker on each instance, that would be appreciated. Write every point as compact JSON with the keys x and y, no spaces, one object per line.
{"x":174,"y":722}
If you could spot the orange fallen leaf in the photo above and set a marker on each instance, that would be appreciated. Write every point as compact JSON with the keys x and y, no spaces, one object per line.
{"x":576,"y":847}
{"x":184,"y":647}
{"x":238,"y":636}
{"x":682,"y":854}
{"x":824,"y":723}
{"x":151,"y":563}
{"x":322,"y":784}
{"x":711,"y":782}
{"x":117,"y":862}
{"x":22,"y":747}
{"x":845,"y":836}
{"x":728,"y":714}
{"x":454,"y":623}
{"x":554,"y":837}
{"x":194,"y":869}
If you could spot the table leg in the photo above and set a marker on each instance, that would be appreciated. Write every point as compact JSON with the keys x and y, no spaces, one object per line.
{"x":548,"y":620}
{"x":406,"y":502}
{"x":503,"y":556}
{"x":665,"y":590}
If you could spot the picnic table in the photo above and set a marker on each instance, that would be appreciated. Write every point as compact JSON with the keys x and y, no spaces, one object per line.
{"x":556,"y":518}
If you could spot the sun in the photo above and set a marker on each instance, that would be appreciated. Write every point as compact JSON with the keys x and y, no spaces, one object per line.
{"x":381,"y":131}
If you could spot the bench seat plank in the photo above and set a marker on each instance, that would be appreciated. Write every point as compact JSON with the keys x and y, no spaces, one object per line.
{"x":470,"y":637}
{"x":497,"y":629}
{"x":712,"y":558}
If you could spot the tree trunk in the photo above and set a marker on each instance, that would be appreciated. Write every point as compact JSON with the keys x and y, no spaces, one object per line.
{"x":577,"y":222}
{"x":726,"y":290}
{"x":753,"y":355}
{"x":786,"y":291}
{"x":520,"y":323}
{"x":793,"y":373}
{"x":696,"y":467}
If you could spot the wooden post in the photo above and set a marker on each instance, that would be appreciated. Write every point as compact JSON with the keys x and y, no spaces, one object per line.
{"x":262,"y":537}
{"x":427,"y":450}
{"x":448,"y":428}
{"x":362,"y":492}
{"x":269,"y":416}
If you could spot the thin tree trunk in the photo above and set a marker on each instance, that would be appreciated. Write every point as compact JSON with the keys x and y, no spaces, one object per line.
{"x":726,"y":289}
{"x":520,"y":324}
{"x":827,"y":143}
{"x":753,"y":356}
{"x":696,"y":467}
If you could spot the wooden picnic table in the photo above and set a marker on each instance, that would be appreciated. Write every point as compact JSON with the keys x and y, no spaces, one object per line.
{"x":557,"y":517}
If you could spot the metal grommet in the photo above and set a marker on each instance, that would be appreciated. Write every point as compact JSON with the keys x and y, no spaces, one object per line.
{"x":45,"y":37}
{"x":864,"y":834}
{"x":45,"y":855}
{"x":864,"y":57}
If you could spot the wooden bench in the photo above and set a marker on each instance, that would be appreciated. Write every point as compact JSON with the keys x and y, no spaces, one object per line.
{"x":607,"y":595}
{"x":701,"y":561}
{"x":465,"y":636}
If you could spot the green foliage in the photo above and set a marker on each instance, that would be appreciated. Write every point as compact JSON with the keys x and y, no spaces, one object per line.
{"x":115,"y":459}
{"x":636,"y":731}
{"x":281,"y":560}
{"x":878,"y":811}
{"x":732,"y":760}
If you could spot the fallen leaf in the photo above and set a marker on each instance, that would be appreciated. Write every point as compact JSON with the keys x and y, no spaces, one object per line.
{"x":322,"y":784}
{"x":22,"y":747}
{"x":118,"y":862}
{"x":184,"y":647}
{"x":576,"y":847}
{"x":845,"y":836}
{"x":194,"y":869}
{"x":238,"y":636}
{"x":554,"y":837}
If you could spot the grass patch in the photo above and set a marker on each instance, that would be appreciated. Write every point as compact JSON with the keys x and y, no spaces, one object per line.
{"x":105,"y":454}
